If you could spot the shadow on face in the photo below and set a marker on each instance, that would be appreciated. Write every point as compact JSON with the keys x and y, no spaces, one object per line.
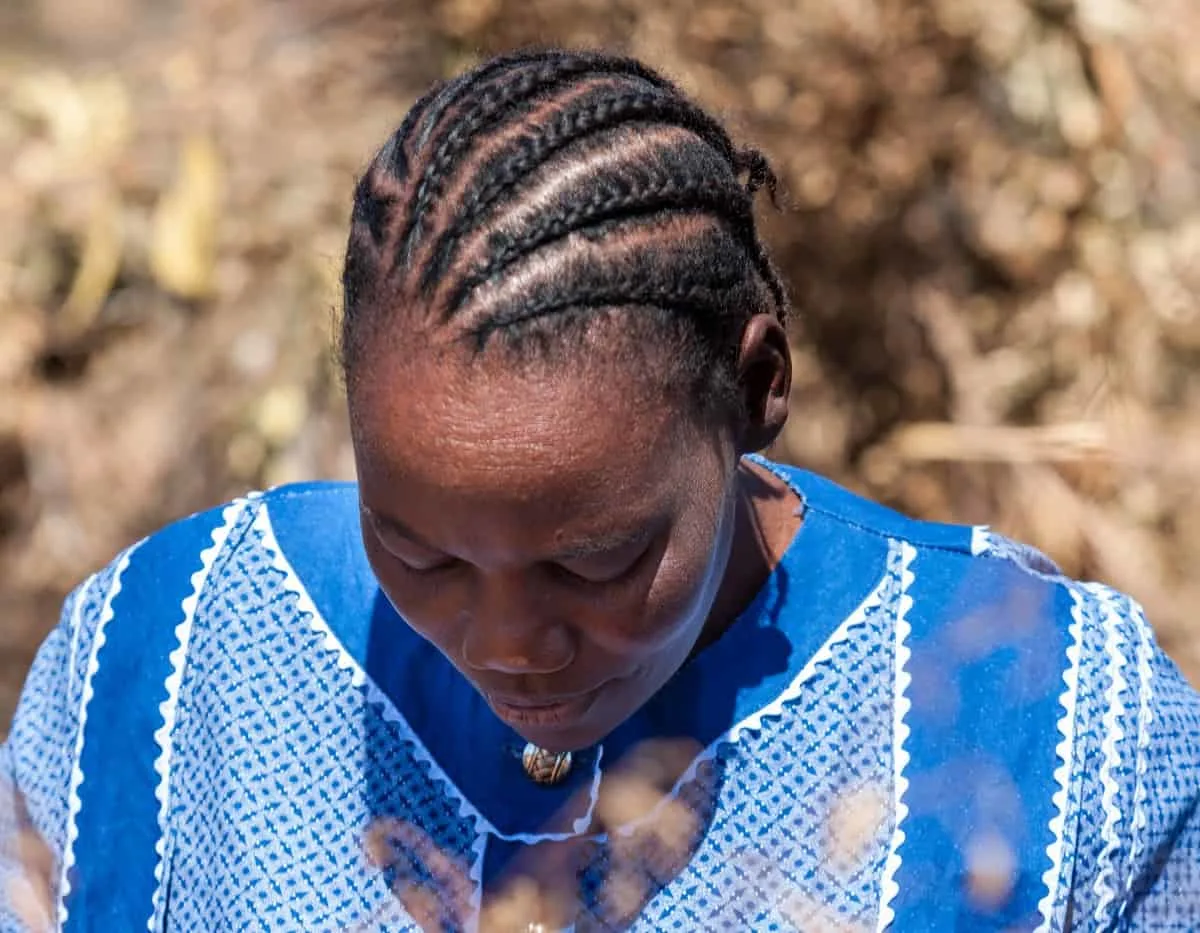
{"x":559,"y":534}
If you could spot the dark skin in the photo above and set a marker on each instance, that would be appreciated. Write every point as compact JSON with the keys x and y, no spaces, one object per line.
{"x":568,"y":536}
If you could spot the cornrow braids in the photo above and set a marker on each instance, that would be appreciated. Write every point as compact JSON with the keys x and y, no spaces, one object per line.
{"x":501,"y":101}
{"x":652,"y":195}
{"x":590,"y":114}
{"x":688,"y":175}
{"x":546,"y":189}
{"x":623,"y":293}
{"x":573,"y":282}
{"x":375,"y":203}
{"x":759,"y":172}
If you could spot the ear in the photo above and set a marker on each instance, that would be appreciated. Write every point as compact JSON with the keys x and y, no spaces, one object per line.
{"x":765,"y":380}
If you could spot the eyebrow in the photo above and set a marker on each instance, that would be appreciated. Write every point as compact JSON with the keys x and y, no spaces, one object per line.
{"x":605,"y":544}
{"x":388,"y":523}
{"x":579,"y":550}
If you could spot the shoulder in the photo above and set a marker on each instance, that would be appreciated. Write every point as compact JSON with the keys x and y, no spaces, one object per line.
{"x":172,"y":564}
{"x":969,"y":582}
{"x":1008,"y":627}
{"x":944,"y":542}
{"x":226,"y":525}
{"x":957,"y":563}
{"x":822,"y":495}
{"x":1015,"y":682}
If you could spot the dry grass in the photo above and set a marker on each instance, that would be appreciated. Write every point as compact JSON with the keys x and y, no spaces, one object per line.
{"x":993,"y":247}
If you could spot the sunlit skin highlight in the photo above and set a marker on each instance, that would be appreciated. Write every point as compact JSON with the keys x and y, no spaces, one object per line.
{"x":561,"y":336}
{"x":562,"y":534}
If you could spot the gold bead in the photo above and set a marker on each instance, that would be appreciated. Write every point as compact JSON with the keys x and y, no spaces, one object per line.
{"x":544,"y":766}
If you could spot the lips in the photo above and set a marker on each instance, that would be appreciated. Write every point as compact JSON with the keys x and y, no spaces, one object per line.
{"x":541,"y":712}
{"x":520,"y":702}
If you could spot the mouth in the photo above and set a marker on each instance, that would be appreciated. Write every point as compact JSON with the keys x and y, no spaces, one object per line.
{"x":541,"y":713}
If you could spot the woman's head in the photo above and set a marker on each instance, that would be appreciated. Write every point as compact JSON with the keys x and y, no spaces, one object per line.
{"x":560,"y":332}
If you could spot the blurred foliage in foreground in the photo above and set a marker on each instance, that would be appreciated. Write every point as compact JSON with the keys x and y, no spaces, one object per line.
{"x":993,"y":244}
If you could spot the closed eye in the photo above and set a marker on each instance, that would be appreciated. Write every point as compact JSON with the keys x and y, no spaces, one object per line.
{"x":413,"y":557}
{"x":427,"y":567}
{"x":603,"y":571}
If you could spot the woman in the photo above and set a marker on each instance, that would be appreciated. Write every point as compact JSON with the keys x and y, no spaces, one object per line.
{"x":568,"y":654}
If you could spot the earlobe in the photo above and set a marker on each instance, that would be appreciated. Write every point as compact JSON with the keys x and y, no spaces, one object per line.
{"x":764,"y":379}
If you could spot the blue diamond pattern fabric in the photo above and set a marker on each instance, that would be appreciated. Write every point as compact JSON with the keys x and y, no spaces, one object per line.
{"x":949,"y":734}
{"x":804,"y":813}
{"x":282,"y":761}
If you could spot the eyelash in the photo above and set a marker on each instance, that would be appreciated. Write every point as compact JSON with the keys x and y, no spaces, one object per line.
{"x":558,"y":570}
{"x":626,"y":575}
{"x":441,"y":567}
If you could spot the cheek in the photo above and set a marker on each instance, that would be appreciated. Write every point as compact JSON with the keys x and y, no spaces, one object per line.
{"x":637,"y":623}
{"x":429,"y":610}
{"x":675,"y":604}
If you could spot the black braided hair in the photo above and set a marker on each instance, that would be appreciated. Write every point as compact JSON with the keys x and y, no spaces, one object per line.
{"x":589,"y":178}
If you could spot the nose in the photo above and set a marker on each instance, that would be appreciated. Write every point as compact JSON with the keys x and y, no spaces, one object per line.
{"x":511,"y":631}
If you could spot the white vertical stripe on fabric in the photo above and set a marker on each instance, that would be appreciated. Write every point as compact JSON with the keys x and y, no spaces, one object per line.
{"x":164,"y":736}
{"x":1114,"y":712}
{"x":358,"y":676}
{"x":1145,"y":684}
{"x":1068,"y":701}
{"x":75,"y":621}
{"x":773,"y":710}
{"x":74,"y":804}
{"x":901,"y":704}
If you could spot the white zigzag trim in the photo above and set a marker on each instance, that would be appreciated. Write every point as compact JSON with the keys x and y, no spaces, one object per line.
{"x":579,"y":827}
{"x":76,"y":619}
{"x":875,"y":599}
{"x":1114,"y":641}
{"x":900,"y":732}
{"x":1065,"y":750}
{"x":475,"y":874}
{"x":986,"y":543}
{"x":164,"y":735}
{"x":74,"y":804}
{"x":1145,"y":675}
{"x":584,"y":822}
{"x":775,"y":709}
{"x":359,"y":677}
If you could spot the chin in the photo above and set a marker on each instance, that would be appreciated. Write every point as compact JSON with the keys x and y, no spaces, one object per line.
{"x":562,"y":728}
{"x":566,"y":739}
{"x":566,"y":736}
{"x":567,"y":726}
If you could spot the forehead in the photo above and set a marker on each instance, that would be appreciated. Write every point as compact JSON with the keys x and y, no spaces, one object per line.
{"x":484,"y":428}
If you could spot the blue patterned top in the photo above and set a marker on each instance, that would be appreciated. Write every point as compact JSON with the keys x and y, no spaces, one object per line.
{"x":914,"y":726}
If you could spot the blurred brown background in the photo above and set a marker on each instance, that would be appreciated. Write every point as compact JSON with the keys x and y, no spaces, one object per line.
{"x":994,"y":247}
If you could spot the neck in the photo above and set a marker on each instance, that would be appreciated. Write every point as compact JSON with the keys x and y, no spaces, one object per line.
{"x":766,"y":520}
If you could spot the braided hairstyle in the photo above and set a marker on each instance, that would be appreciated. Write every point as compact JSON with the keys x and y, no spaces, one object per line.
{"x":547,"y":189}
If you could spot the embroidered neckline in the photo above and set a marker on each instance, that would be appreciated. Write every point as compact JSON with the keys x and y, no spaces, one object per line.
{"x":752,"y":723}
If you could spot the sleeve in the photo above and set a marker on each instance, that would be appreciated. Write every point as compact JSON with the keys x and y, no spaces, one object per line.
{"x":36,"y":764}
{"x":1164,"y":890}
{"x":1135,"y":862}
